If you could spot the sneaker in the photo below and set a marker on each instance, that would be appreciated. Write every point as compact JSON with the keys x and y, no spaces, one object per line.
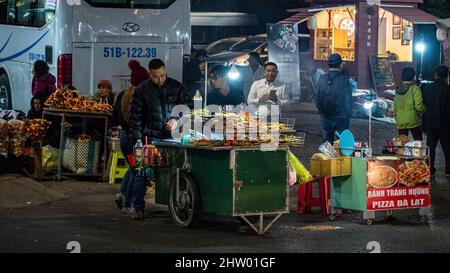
{"x":137,"y":215}
{"x":119,"y":200}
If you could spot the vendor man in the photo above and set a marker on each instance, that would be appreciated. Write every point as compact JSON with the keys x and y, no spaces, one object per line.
{"x":268,"y":90}
{"x":223,"y":93}
{"x":150,"y":115}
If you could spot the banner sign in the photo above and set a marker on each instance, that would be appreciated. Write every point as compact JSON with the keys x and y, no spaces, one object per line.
{"x":402,"y":183}
{"x":283,"y":50}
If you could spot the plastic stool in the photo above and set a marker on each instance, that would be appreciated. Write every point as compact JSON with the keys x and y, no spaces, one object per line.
{"x":118,"y":167}
{"x":306,"y":200}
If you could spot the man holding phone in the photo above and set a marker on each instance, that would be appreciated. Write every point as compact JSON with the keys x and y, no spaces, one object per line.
{"x":268,"y":90}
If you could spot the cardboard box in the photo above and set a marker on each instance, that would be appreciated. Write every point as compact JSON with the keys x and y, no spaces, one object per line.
{"x":332,"y":167}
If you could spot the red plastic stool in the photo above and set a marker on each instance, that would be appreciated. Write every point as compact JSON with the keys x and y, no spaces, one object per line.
{"x":306,"y":199}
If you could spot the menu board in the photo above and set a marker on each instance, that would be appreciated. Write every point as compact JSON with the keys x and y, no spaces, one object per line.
{"x":382,"y":75}
{"x":401,"y":183}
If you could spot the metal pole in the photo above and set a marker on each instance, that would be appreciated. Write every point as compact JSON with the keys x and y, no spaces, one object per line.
{"x":62,"y":139}
{"x":206,"y":85}
{"x":105,"y":146}
{"x":421,"y":63}
{"x":370,"y":132}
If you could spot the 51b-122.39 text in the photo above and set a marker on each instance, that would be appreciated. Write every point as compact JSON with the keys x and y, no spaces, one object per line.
{"x":129,"y":52}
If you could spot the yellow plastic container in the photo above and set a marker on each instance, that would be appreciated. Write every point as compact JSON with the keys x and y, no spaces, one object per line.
{"x":332,"y":167}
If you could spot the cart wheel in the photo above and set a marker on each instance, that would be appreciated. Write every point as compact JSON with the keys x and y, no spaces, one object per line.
{"x":369,"y":222}
{"x":184,"y":209}
{"x":333,"y":217}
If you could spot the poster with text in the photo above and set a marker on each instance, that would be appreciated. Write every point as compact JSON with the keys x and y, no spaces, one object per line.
{"x":402,"y":183}
{"x":283,"y":50}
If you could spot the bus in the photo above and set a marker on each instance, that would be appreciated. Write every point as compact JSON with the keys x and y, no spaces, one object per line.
{"x":85,"y":41}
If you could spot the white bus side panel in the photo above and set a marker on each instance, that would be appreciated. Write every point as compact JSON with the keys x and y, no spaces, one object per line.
{"x":93,"y":62}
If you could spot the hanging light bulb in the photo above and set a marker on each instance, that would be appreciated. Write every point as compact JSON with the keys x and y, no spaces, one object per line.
{"x":233,"y":73}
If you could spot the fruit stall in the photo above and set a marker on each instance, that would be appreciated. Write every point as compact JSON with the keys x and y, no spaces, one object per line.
{"x":82,"y":136}
{"x":21,"y":139}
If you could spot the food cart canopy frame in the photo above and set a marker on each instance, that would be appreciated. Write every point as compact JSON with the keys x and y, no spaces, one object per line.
{"x":412,"y":14}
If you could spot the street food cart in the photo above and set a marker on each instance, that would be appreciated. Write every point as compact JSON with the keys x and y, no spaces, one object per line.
{"x":235,"y":178}
{"x":398,"y":179}
{"x":226,"y":181}
{"x":381,"y":184}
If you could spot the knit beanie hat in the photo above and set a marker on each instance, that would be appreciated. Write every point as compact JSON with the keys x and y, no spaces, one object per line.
{"x":138,"y":72}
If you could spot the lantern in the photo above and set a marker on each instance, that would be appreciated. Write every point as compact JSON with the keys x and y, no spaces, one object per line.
{"x":347,"y":24}
{"x":312,"y":23}
{"x":441,"y":34}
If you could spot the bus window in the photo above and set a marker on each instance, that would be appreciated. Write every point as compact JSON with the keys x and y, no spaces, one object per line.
{"x":34,"y":13}
{"x":138,"y":4}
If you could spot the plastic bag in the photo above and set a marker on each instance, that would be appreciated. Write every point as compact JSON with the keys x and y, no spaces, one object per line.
{"x":303,"y":175}
{"x":4,"y":144}
{"x":416,"y":149}
{"x":17,"y":146}
{"x":292,"y":175}
{"x":3,"y":128}
{"x":12,"y":114}
{"x":328,"y":150}
{"x":50,"y":157}
{"x":16,"y":128}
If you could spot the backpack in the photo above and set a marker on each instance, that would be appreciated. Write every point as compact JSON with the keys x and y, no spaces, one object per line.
{"x":327,"y":98}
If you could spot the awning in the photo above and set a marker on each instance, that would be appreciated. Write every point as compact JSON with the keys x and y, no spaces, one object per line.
{"x":223,"y":19}
{"x":445,"y":23}
{"x":300,"y":17}
{"x":302,"y":14}
{"x":412,"y":14}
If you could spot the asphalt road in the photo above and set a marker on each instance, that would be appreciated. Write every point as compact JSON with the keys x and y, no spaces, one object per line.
{"x":88,"y":215}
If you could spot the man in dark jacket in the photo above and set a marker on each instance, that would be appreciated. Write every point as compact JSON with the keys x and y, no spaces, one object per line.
{"x":334,"y":99}
{"x":150,"y":115}
{"x":223,"y":93}
{"x":436,"y":98}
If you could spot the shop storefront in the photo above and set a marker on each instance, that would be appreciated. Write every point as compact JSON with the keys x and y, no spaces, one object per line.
{"x":358,"y":30}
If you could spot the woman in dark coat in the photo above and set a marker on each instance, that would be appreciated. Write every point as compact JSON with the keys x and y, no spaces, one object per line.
{"x":36,"y":109}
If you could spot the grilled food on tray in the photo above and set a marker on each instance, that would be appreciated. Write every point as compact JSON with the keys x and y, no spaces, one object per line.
{"x":414,"y":172}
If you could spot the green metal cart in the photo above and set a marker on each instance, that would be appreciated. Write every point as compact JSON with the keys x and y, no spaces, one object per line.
{"x":246,"y":183}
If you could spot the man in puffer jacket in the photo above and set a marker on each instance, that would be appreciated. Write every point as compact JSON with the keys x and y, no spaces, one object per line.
{"x":409,"y":106}
{"x":150,"y":115}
